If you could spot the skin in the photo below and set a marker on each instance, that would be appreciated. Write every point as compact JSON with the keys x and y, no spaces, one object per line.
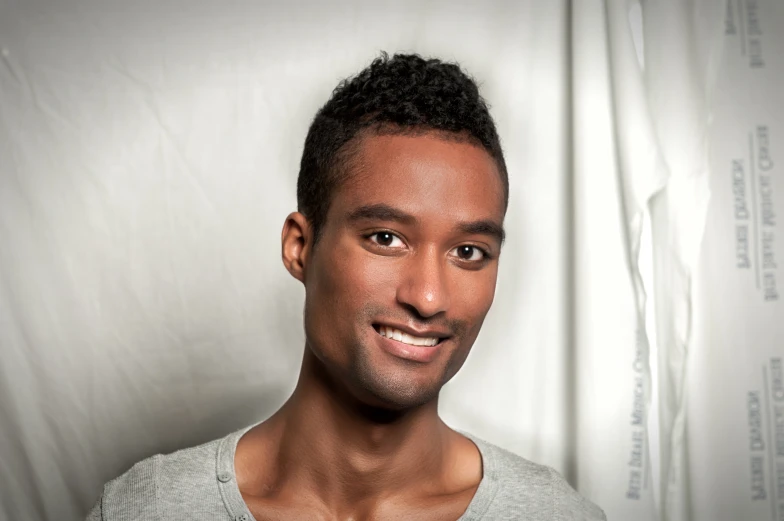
{"x":360,"y":437}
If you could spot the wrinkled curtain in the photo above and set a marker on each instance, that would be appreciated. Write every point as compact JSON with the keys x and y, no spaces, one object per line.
{"x":677,"y":109}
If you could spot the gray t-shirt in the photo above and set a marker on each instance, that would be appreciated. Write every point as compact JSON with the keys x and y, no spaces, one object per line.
{"x":198,"y":484}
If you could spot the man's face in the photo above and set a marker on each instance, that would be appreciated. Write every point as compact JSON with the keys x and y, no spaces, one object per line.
{"x":411,"y":242}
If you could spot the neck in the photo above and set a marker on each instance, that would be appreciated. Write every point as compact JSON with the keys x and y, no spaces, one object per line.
{"x":327,"y":444}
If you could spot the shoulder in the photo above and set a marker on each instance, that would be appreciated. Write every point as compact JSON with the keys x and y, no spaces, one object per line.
{"x":149,"y":488}
{"x":570,"y":504}
{"x":537,"y":490}
{"x":132,"y":494}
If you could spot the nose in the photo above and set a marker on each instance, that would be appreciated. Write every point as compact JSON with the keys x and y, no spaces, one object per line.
{"x":423,"y":286}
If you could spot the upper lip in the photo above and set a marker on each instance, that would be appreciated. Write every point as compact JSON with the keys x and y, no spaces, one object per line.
{"x":423,"y":333}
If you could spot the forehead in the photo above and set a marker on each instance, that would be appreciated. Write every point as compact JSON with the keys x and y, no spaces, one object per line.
{"x":424,"y":175}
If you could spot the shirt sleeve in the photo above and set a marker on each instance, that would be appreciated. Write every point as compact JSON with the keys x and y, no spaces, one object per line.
{"x":572,"y":505}
{"x":131,"y":496}
{"x":95,"y":513}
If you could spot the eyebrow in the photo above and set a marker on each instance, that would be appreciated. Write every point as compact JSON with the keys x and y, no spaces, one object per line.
{"x":483,"y":227}
{"x":384,"y":212}
{"x":380,"y":212}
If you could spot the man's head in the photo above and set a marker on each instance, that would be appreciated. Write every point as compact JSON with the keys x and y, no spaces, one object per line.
{"x":403,"y":95}
{"x":402,"y":193}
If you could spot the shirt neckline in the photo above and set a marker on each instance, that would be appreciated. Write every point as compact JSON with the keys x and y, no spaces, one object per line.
{"x":238,"y":510}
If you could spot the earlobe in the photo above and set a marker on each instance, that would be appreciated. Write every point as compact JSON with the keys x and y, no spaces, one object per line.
{"x":295,"y":244}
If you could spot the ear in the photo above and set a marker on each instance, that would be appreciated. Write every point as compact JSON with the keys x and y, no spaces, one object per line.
{"x":295,"y":244}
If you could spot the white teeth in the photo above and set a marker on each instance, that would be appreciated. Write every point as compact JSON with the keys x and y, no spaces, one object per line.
{"x":405,"y":338}
{"x":408,"y":339}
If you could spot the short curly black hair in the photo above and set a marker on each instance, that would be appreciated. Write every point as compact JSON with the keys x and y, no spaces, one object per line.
{"x":406,"y":94}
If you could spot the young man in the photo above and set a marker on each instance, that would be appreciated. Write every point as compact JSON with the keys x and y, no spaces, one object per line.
{"x":402,"y":193}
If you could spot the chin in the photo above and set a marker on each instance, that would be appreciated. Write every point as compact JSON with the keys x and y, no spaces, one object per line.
{"x":392,"y":394}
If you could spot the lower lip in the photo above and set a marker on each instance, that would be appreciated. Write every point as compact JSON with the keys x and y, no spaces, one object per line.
{"x":409,"y":352}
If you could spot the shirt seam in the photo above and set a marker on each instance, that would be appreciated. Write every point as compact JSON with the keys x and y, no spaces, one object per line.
{"x":155,"y":474}
{"x":495,"y":482}
{"x":221,"y":489}
{"x":552,"y":492}
{"x":490,"y":472}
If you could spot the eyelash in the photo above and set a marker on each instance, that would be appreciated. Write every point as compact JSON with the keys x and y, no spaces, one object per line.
{"x":486,"y":255}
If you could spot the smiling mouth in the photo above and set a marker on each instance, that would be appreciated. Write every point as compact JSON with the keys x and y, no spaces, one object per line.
{"x":405,"y":338}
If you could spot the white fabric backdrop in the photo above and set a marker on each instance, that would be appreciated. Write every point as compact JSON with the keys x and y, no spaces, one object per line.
{"x":679,"y":112}
{"x":735,"y":385}
{"x":148,"y":156}
{"x":640,"y":127}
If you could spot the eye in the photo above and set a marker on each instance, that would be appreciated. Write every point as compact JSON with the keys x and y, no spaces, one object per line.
{"x":386,"y":239}
{"x":470,"y":253}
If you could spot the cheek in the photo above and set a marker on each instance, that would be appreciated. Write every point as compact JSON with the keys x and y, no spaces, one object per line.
{"x":358,"y":278}
{"x":473,"y":294}
{"x":345,"y":282}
